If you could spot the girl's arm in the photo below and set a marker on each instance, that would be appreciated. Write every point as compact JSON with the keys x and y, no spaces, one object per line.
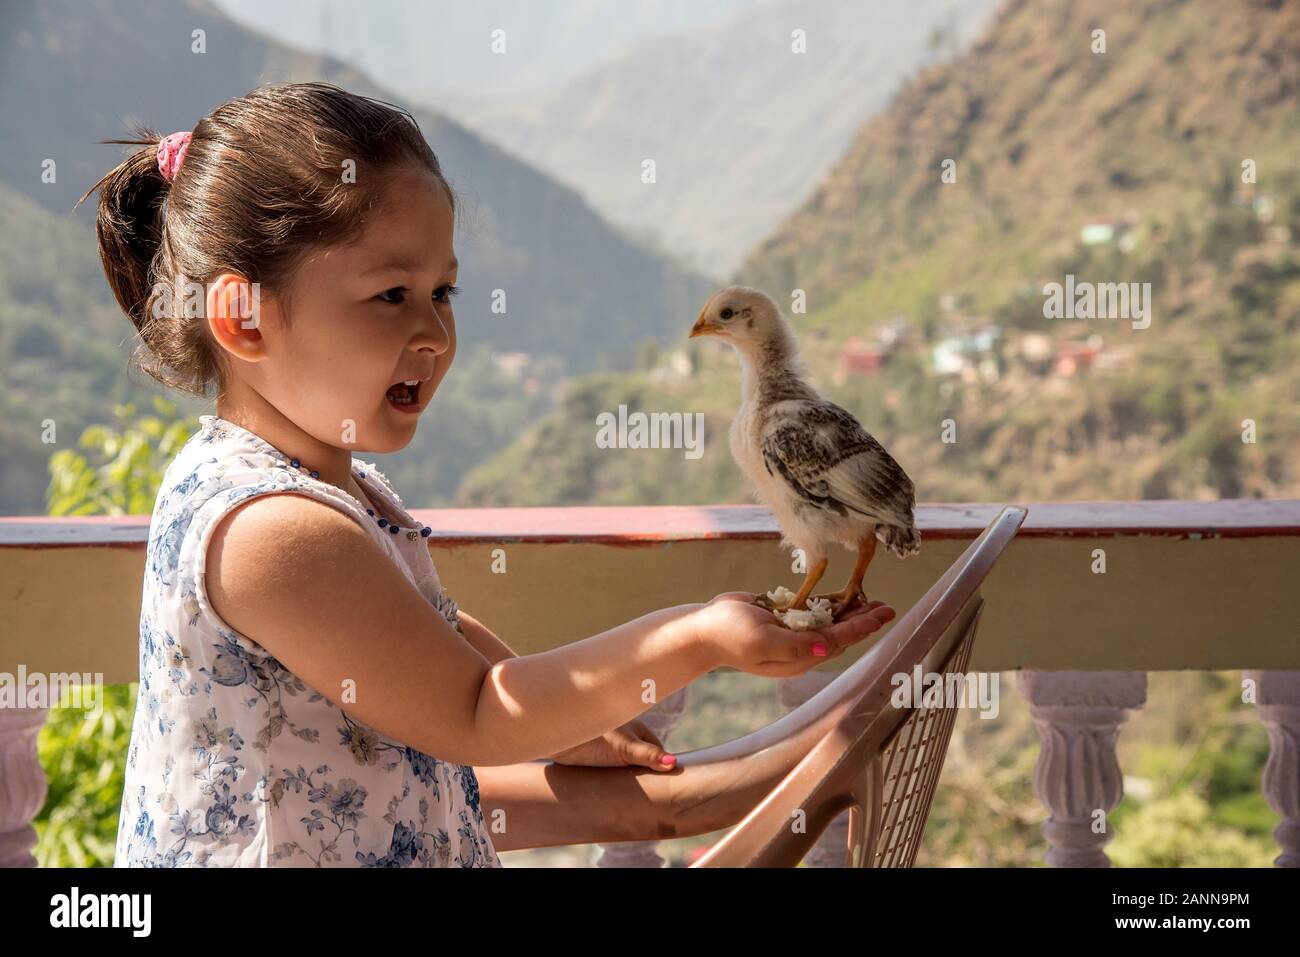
{"x":617,"y":674}
{"x":491,"y":647}
{"x":343,"y":618}
{"x":483,"y":639}
{"x":544,"y":805}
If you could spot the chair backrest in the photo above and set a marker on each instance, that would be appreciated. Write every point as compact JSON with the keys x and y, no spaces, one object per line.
{"x":852,"y":748}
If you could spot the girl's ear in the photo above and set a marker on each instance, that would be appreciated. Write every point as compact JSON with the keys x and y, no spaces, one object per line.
{"x":234,"y":311}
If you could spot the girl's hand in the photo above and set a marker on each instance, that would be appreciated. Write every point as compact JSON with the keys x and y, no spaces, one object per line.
{"x":745,"y":636}
{"x":632,"y":743}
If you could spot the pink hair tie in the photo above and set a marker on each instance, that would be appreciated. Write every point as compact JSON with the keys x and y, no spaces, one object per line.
{"x":171,"y":153}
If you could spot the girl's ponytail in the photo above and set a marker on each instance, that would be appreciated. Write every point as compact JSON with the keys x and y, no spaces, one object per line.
{"x":133,"y":199}
{"x":129,"y":224}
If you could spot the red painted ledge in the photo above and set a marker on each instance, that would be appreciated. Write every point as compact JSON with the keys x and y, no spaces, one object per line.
{"x":642,"y":525}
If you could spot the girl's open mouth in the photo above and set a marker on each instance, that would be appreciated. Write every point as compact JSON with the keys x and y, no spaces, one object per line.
{"x":405,"y":396}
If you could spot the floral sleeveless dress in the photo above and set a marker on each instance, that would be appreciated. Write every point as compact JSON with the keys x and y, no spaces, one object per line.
{"x":234,"y":760}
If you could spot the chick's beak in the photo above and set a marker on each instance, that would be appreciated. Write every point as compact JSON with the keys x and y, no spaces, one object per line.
{"x":702,"y":327}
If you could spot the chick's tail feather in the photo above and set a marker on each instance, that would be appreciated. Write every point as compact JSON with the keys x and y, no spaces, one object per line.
{"x":901,"y":541}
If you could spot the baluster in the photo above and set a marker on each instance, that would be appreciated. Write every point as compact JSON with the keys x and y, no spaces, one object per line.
{"x":22,"y":784}
{"x":1077,"y":715}
{"x":1278,"y":703}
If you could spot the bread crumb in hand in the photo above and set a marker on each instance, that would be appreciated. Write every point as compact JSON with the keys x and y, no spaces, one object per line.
{"x":817,"y":615}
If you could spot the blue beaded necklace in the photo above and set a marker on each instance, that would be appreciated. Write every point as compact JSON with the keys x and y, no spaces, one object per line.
{"x":411,"y":534}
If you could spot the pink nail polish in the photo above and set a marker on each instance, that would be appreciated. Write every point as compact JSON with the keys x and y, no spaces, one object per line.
{"x":819,"y":650}
{"x":668,"y":760}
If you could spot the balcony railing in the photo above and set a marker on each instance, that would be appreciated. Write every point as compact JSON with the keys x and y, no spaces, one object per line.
{"x":1089,"y":598}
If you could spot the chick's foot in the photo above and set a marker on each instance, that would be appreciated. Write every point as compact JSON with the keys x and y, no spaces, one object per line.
{"x":841,"y":601}
{"x":778,"y":599}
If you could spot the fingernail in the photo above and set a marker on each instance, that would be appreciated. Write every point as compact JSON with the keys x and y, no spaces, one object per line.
{"x":819,"y":649}
{"x":668,"y":760}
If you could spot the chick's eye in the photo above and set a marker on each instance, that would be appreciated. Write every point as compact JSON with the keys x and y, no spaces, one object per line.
{"x":726,"y":313}
{"x":400,"y":292}
{"x":444,"y":293}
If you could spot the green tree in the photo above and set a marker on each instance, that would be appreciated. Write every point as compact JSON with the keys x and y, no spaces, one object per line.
{"x":84,"y":753}
{"x":130,"y":461}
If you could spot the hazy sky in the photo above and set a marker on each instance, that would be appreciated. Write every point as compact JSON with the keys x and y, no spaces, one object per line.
{"x":441,"y":48}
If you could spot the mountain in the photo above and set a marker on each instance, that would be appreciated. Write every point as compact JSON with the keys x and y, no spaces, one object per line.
{"x":740,"y":126}
{"x":442,"y":51}
{"x":1045,"y":133}
{"x":522,"y":232}
{"x":61,"y":349}
{"x":1168,"y":160}
{"x":585,"y":296}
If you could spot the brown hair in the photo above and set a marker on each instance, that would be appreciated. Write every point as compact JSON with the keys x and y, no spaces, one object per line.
{"x":262,"y":183}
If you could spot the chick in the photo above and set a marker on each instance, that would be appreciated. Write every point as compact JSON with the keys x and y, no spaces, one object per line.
{"x":823,"y":476}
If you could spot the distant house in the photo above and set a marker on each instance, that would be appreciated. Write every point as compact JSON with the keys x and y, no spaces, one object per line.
{"x":1097,"y":232}
{"x":1074,"y":357}
{"x":676,"y":367}
{"x":1104,"y":231}
{"x":859,"y":358}
{"x":1113,"y":358}
{"x":894,"y":333}
{"x":1036,"y":350}
{"x":970,"y":355}
{"x":512,"y":364}
{"x":946,"y":356}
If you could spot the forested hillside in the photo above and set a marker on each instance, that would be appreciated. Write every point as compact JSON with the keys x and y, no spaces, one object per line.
{"x":1167,"y":159}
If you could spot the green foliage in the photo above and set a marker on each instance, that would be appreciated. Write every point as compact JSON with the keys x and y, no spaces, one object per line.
{"x":1178,"y":831}
{"x":84,"y":754}
{"x":1192,"y":783}
{"x":84,"y":757}
{"x":130,"y":462}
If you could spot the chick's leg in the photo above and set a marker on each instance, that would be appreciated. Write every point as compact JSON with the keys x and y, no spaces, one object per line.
{"x":809,"y":583}
{"x":841,"y":599}
{"x":801,"y":599}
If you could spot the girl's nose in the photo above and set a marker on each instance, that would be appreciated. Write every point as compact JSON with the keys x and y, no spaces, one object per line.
{"x":436,"y":334}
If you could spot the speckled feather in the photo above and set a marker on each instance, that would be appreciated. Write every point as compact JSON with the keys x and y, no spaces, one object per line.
{"x":830,"y":462}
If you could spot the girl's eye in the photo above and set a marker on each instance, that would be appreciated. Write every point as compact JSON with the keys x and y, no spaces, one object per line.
{"x":441,"y":294}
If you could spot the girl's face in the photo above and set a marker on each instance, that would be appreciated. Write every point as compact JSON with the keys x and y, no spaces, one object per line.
{"x":367,"y":316}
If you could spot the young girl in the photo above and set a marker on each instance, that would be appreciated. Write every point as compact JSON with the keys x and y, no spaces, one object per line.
{"x":300,"y":664}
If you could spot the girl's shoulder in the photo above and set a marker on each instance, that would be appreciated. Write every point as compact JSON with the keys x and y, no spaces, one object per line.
{"x":221,"y":467}
{"x":218,"y":468}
